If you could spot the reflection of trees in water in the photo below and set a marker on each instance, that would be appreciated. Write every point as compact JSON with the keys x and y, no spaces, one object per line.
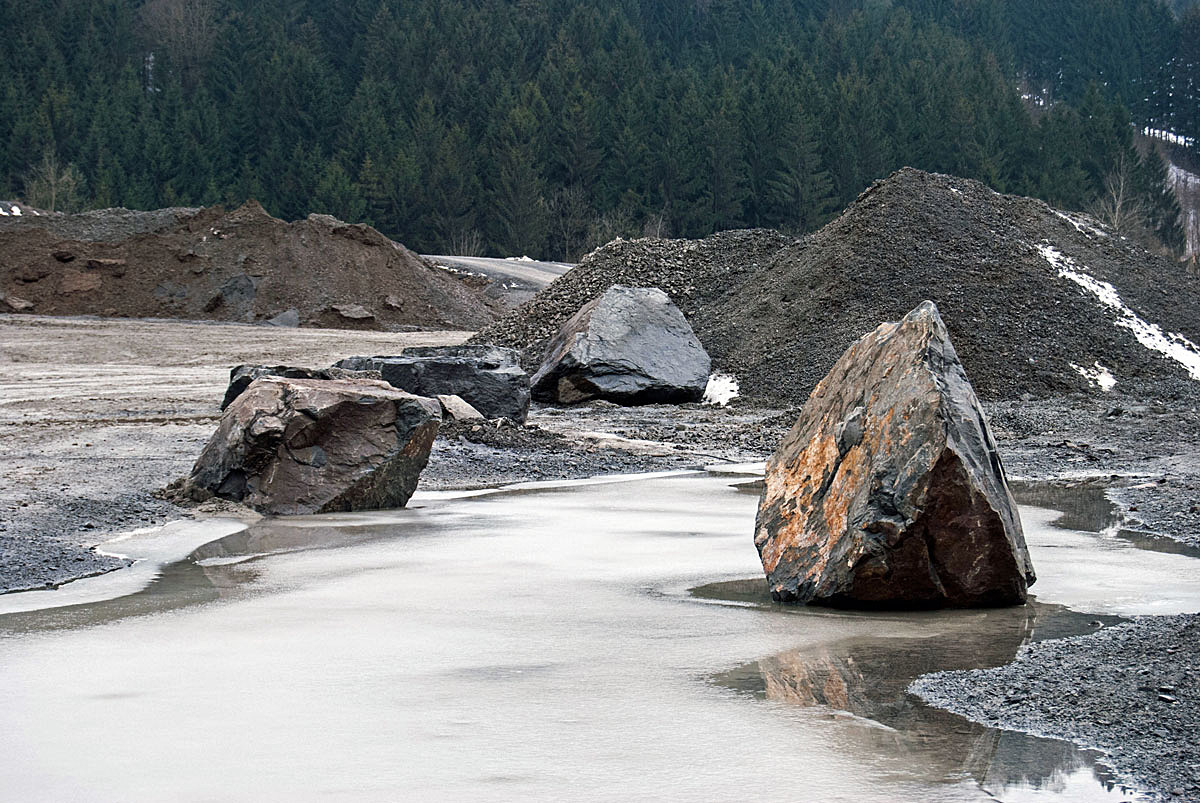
{"x":869,"y":678}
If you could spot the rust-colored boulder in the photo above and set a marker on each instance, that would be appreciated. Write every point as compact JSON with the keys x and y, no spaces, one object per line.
{"x":888,"y":491}
{"x":289,"y":446}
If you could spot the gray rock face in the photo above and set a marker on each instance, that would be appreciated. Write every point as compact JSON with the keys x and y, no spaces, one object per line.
{"x":289,"y":446}
{"x":241,"y":376}
{"x":488,"y":378}
{"x":630,"y":346}
{"x":289,"y":318}
{"x":888,"y":491}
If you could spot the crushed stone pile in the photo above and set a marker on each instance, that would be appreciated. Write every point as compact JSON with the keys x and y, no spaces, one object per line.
{"x":239,"y":265}
{"x":1038,"y":302}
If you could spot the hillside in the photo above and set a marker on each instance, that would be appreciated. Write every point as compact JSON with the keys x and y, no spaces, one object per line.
{"x":1028,"y":293}
{"x":239,"y":265}
{"x":580,"y":121}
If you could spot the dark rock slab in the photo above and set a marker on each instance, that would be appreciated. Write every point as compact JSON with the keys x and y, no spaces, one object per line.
{"x":888,"y":491}
{"x":288,"y":446}
{"x":489,"y":378}
{"x":241,"y":376}
{"x":630,"y":346}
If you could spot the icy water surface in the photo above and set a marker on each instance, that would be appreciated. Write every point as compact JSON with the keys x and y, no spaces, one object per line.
{"x":592,"y":642}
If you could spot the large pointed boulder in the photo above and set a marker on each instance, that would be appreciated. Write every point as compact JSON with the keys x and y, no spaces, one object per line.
{"x":888,"y":491}
{"x":287,"y":446}
{"x":631,"y":345}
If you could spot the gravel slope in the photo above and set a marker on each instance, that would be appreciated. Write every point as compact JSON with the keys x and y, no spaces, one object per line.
{"x":778,"y":312}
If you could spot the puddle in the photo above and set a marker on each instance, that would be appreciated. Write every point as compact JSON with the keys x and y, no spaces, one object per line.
{"x":1086,"y":506}
{"x":866,"y":679}
{"x":517,"y":645}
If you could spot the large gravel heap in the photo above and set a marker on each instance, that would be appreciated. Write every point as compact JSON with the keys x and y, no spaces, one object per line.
{"x":1019,"y":284}
{"x":239,"y":265}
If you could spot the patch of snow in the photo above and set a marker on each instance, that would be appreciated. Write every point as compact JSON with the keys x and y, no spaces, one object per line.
{"x":458,"y":271}
{"x":1166,"y":135}
{"x":519,"y":259}
{"x":721,"y":389}
{"x":16,"y":210}
{"x":3,"y":211}
{"x":1099,"y":376}
{"x":1172,"y":344}
{"x":34,"y":211}
{"x":1082,"y":225}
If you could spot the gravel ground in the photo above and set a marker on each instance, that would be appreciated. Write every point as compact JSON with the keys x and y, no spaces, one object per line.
{"x":98,"y":415}
{"x":1130,"y":690}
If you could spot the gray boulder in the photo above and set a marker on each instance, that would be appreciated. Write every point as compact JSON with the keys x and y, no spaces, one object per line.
{"x":888,"y":491}
{"x":289,"y":446}
{"x":489,"y":378}
{"x":630,"y":346}
{"x":241,"y":376}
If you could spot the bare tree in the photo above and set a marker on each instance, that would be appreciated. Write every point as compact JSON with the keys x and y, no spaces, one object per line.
{"x":1119,"y":206}
{"x":186,"y":29}
{"x":53,"y":186}
{"x":466,"y":243}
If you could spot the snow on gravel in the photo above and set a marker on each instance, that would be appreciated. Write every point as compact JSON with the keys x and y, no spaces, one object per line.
{"x":1082,"y":224}
{"x":1099,"y":375}
{"x":721,"y":389}
{"x":1150,"y":335}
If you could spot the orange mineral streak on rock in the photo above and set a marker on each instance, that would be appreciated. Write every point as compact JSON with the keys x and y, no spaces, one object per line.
{"x":797,"y":483}
{"x":855,"y":508}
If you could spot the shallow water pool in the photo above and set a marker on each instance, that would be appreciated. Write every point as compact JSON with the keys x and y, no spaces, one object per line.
{"x":595,"y":641}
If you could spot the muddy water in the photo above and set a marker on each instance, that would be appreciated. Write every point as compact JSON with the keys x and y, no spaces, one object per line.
{"x":596,"y":641}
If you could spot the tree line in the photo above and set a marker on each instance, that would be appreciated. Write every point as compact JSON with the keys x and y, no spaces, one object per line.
{"x":546,"y":128}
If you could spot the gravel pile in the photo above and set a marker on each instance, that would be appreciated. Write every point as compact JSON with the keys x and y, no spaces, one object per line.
{"x":695,"y":273}
{"x":101,"y":225}
{"x":1130,"y":690}
{"x":778,"y":312}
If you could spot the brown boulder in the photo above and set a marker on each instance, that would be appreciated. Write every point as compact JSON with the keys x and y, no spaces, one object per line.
{"x":888,"y":491}
{"x":289,"y":446}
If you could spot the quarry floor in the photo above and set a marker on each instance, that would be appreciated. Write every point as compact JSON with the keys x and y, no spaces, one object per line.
{"x":98,"y":415}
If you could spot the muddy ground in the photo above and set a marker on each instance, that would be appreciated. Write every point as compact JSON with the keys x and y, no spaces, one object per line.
{"x":97,"y":415}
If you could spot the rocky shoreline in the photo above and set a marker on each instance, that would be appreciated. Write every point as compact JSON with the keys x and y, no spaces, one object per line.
{"x":1128,"y":690}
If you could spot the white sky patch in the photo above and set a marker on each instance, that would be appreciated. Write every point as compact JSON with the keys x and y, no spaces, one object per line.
{"x":1099,"y":375}
{"x":721,"y":389}
{"x":1082,"y":225}
{"x":1150,"y":335}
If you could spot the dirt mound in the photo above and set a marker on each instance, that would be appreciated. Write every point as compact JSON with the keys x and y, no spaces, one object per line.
{"x":240,"y":265}
{"x":1037,"y":301}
